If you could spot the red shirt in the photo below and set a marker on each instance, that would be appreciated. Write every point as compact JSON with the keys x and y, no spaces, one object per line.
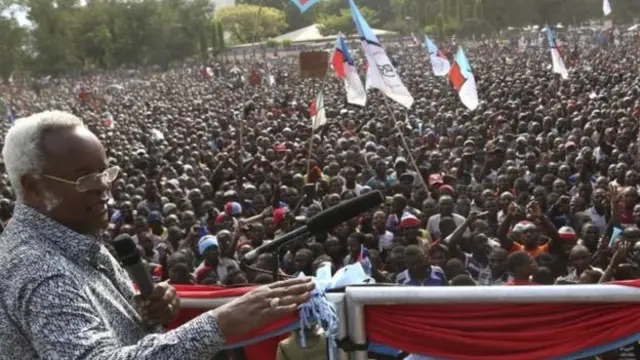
{"x":202,"y":273}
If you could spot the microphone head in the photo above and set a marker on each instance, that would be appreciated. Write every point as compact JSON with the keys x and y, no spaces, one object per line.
{"x":126,"y":249}
{"x":335,"y":216}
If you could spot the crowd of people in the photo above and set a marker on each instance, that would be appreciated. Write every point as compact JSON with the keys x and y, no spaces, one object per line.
{"x":539,"y":185}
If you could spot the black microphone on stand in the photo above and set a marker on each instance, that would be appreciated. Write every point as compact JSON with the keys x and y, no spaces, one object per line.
{"x":128,"y":254}
{"x":326,"y":220}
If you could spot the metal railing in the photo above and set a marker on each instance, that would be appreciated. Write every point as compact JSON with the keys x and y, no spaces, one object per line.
{"x":351,"y":304}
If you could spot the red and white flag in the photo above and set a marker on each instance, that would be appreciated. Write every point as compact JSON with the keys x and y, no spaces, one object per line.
{"x":345,"y":69}
{"x":109,"y":122}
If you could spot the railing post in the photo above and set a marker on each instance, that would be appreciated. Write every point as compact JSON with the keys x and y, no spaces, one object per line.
{"x":356,"y":325}
{"x":341,"y":309}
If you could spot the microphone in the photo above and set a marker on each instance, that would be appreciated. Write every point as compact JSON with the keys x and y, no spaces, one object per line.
{"x":128,"y":254}
{"x":327,"y":219}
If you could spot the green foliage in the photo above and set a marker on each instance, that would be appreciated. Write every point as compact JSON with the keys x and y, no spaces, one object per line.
{"x":469,"y":27}
{"x":432,"y":31}
{"x":221,"y":38}
{"x":271,"y":43}
{"x":248,"y":23}
{"x":216,"y":38}
{"x":213,"y":38}
{"x":11,"y":38}
{"x":439,"y":25}
{"x":293,"y":18}
{"x":70,"y":37}
{"x":287,"y":43}
{"x":343,"y":22}
{"x":450,"y":29}
{"x":74,"y":35}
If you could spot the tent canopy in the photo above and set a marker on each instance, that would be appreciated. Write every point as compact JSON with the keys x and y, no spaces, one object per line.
{"x":312,"y":33}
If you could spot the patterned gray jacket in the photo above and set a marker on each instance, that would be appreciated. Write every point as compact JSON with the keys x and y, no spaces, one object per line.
{"x":63,"y":296}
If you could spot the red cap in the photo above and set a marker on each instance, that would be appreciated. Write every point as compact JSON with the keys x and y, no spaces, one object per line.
{"x":447,"y":188}
{"x":435,"y":179}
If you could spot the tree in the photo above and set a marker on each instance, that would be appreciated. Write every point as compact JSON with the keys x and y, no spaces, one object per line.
{"x":214,"y":37}
{"x":11,"y":40}
{"x":294,"y":19}
{"x":248,"y":23}
{"x":220,"y":33}
{"x":333,"y":24}
{"x":68,"y":36}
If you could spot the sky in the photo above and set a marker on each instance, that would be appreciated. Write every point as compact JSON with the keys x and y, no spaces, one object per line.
{"x":19,"y":13}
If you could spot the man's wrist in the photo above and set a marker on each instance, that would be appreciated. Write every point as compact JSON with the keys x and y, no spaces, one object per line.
{"x":220,"y":316}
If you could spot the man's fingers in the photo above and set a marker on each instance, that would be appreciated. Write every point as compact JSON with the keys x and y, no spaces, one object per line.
{"x":159,"y":299}
{"x":295,"y":299}
{"x":159,"y":306}
{"x":289,"y":282}
{"x":291,"y":290}
{"x":283,"y":310}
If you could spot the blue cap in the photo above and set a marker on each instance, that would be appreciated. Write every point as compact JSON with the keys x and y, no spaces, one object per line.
{"x":206,"y":242}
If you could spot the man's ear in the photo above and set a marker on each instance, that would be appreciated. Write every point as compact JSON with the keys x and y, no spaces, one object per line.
{"x":31,"y":189}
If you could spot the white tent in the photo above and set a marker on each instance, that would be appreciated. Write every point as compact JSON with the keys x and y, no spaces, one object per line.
{"x":312,"y":33}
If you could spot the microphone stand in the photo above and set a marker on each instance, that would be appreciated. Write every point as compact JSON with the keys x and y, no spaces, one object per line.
{"x":274,"y":272}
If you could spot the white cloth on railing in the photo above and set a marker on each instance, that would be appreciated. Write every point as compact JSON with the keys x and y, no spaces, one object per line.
{"x":418,"y":357}
{"x":318,"y":310}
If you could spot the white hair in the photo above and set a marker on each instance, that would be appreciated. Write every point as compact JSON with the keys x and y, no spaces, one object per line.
{"x":23,"y":153}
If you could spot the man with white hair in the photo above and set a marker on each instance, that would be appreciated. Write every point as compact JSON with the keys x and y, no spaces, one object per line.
{"x":62,"y":294}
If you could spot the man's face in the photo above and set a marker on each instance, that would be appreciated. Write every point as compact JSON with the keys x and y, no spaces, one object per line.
{"x":498,"y":261}
{"x":446,"y":206}
{"x":415,"y":262}
{"x":84,"y":212}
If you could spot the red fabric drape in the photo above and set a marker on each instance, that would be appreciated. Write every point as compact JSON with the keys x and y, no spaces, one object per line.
{"x":498,"y":331}
{"x":265,"y":350}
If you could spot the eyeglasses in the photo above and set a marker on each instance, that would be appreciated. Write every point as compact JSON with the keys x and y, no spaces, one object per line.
{"x":95,"y":181}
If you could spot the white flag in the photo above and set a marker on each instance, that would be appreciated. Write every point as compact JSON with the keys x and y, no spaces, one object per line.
{"x":606,"y":7}
{"x":318,"y":116}
{"x":440,"y":64}
{"x":381,"y":74}
{"x":558,"y":65}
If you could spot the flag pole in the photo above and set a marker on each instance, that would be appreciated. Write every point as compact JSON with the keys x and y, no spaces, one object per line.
{"x":239,"y":149}
{"x":315,"y":118}
{"x":404,"y":143}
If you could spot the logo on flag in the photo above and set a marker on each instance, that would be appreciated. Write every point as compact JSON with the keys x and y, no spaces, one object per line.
{"x":382,"y":75}
{"x":463,"y":81}
{"x":345,"y":69}
{"x":439,"y":62}
{"x":318,"y":117}
{"x":304,"y":5}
